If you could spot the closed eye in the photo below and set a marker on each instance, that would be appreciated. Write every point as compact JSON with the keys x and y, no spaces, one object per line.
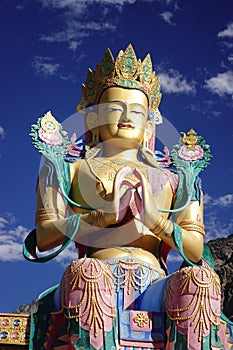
{"x":113,"y":109}
{"x":138,"y":112}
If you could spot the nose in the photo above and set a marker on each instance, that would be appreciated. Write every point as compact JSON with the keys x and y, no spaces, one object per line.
{"x":124,"y":118}
{"x":125,"y":114}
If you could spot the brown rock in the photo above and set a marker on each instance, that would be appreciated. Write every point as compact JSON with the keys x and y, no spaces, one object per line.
{"x":222,"y":251}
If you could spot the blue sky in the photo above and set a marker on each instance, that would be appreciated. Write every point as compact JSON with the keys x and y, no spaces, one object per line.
{"x":47,"y":47}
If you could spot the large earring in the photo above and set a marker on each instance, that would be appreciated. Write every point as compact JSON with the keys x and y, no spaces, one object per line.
{"x":94,"y":147}
{"x":145,"y":143}
{"x":144,"y":151}
{"x":92,"y":152}
{"x":95,"y":135}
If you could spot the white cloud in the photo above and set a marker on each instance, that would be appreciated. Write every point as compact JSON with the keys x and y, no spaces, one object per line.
{"x":167,"y":16}
{"x":79,"y":6}
{"x":208,"y":200}
{"x":174,"y":257}
{"x":11,"y":240}
{"x":67,"y":256}
{"x":73,"y":44}
{"x":207,"y":108}
{"x":64,"y":4}
{"x":173,"y":82}
{"x":230,"y":58}
{"x":221,"y":85}
{"x":3,"y":222}
{"x":2,"y":133}
{"x":11,"y":252}
{"x":59,"y":37}
{"x":45,"y":65}
{"x":215,"y":229}
{"x":12,"y":237}
{"x":228,"y":44}
{"x":20,"y":7}
{"x":228,"y":32}
{"x":225,"y":201}
{"x":75,"y":26}
{"x":75,"y":31}
{"x":222,"y":201}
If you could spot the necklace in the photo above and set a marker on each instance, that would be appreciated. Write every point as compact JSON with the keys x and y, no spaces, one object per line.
{"x":105,"y":169}
{"x":122,"y":161}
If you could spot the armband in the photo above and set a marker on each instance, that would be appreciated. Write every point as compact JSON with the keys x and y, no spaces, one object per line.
{"x":197,"y":226}
{"x":43,"y":214}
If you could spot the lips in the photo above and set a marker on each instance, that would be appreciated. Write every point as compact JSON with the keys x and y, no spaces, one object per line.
{"x":125,"y":126}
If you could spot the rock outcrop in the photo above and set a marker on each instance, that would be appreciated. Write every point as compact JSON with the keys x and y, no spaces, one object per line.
{"x":222,"y":251}
{"x":26,"y":308}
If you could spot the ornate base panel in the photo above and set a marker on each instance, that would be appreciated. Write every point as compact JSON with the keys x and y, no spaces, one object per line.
{"x":14,"y":329}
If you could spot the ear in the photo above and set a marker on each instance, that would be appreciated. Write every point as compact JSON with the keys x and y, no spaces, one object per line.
{"x":92,"y":120}
{"x":149,"y":130}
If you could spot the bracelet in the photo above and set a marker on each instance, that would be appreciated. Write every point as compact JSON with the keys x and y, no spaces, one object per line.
{"x":158,"y":223}
{"x":198,"y":223}
{"x":162,"y":226}
{"x":168,"y":231}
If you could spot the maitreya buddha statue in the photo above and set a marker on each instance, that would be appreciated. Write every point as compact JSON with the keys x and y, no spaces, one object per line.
{"x":125,"y":209}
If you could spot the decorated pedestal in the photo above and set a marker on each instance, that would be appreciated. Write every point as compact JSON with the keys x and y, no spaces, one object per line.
{"x":14,"y":331}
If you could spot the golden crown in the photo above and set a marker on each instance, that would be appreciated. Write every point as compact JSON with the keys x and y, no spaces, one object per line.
{"x":127,"y":71}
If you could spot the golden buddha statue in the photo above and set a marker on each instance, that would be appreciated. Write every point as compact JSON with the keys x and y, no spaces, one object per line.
{"x":119,"y":214}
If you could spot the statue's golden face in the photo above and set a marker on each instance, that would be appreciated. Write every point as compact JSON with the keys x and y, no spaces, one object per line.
{"x":122,"y":114}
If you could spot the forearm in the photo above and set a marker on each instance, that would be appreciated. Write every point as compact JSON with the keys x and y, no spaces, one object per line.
{"x":52,"y":233}
{"x":192,"y":240}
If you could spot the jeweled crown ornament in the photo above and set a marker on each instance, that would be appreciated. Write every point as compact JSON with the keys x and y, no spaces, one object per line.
{"x":128,"y":72}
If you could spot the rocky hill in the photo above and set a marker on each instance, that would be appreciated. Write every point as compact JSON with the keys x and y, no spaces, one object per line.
{"x":222,"y":251}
